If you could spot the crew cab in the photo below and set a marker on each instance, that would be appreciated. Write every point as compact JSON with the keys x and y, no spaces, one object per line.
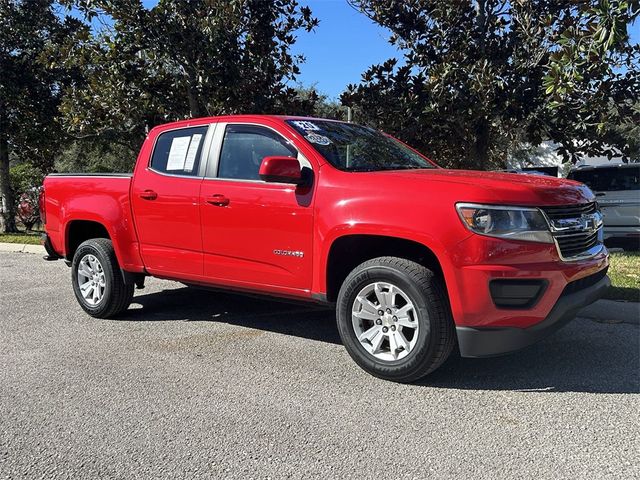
{"x":418,"y":260}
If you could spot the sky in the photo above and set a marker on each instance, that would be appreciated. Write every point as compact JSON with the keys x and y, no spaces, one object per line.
{"x":344,"y":45}
{"x":341,"y":48}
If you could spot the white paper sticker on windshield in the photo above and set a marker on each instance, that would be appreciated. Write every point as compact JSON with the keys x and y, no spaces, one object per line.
{"x":178,"y":153}
{"x":191,"y":153}
{"x":317,"y":139}
{"x":306,"y":125}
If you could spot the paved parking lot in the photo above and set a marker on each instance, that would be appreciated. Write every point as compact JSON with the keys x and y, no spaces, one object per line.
{"x":194,"y":384}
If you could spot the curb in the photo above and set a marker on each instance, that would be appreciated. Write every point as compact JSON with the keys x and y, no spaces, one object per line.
{"x":21,"y":248}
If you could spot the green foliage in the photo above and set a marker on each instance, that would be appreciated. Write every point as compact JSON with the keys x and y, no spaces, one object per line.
{"x":30,"y":88}
{"x":480,"y":78}
{"x":321,"y":106}
{"x":629,"y":133}
{"x":182,"y":59}
{"x":25,"y":177}
{"x":95,"y":157}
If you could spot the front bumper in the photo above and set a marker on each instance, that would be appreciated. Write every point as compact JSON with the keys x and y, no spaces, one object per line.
{"x":488,"y":342}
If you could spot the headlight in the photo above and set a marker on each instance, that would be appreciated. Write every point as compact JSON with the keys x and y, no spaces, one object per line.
{"x":515,"y":223}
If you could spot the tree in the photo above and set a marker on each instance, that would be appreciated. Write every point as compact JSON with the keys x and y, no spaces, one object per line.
{"x":482,"y":77}
{"x":95,"y":156}
{"x":629,"y":132}
{"x":182,"y":59}
{"x":30,"y":90}
{"x":318,"y":104}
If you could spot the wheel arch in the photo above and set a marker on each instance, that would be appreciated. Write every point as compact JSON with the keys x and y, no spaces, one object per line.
{"x":80,"y":230}
{"x":348,"y":251}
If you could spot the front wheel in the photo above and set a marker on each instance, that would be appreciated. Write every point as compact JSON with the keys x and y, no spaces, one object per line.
{"x":97,"y":279}
{"x":394,"y":319}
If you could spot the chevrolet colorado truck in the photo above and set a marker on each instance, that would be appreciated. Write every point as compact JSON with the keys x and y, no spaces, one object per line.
{"x":418,"y":260}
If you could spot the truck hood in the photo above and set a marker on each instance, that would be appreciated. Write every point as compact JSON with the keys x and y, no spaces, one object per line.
{"x":507,"y":188}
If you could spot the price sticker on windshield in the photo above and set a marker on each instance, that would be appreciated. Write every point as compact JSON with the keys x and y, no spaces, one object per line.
{"x":317,"y":139}
{"x":306,"y":125}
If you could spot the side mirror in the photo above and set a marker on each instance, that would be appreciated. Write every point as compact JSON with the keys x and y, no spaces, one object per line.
{"x":281,"y":170}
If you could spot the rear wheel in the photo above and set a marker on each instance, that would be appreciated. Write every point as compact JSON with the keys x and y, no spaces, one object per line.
{"x":394,"y":319}
{"x":97,"y":279}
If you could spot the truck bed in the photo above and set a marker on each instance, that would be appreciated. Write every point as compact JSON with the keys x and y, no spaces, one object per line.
{"x":73,"y":201}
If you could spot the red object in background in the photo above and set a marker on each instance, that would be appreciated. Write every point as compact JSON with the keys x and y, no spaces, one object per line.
{"x":25,"y":209}
{"x":28,"y":208}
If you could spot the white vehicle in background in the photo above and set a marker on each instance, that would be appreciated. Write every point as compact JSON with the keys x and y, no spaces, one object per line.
{"x":618,"y":190}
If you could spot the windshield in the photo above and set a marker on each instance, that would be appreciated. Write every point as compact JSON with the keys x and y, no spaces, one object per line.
{"x":609,"y":179}
{"x":355,"y":148}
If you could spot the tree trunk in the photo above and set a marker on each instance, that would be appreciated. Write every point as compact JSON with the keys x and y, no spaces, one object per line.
{"x":481,"y":23}
{"x":8,"y":202}
{"x":192,"y":95}
{"x":481,"y":145}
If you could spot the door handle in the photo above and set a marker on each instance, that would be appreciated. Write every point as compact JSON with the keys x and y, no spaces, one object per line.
{"x":600,"y":194}
{"x":148,"y":195}
{"x":218,"y":200}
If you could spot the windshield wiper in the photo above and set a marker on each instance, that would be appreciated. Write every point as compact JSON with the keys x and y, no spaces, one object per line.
{"x":383,"y":168}
{"x":404,"y":167}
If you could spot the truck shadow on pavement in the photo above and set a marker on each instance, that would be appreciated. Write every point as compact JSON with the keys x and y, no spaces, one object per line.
{"x":585,"y":356}
{"x":262,"y":313}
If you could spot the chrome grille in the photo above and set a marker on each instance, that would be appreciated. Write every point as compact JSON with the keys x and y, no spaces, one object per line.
{"x":576,"y":229}
{"x":572,"y":245}
{"x":570,"y":211}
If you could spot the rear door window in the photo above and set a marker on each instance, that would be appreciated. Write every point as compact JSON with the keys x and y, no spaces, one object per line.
{"x":178,"y":152}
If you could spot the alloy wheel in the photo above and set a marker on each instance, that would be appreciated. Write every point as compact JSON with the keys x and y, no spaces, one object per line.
{"x":385,"y":321}
{"x":91,"y":279}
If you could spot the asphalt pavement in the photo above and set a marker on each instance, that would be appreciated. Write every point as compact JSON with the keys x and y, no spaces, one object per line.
{"x":195,"y":384}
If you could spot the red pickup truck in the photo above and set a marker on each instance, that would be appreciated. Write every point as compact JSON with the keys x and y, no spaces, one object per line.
{"x":417,"y":259}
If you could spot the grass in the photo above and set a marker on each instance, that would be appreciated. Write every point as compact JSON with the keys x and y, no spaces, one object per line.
{"x":31,"y":238}
{"x":624,"y":272}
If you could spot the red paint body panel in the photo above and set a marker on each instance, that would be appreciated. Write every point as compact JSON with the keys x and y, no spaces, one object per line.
{"x":276,"y":238}
{"x":104,"y":200}
{"x":239,"y":239}
{"x":169,"y":225}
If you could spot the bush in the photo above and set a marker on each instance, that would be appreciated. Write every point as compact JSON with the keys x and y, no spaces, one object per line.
{"x":24,"y":177}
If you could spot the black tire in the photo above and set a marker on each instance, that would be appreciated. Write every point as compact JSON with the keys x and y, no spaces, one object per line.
{"x":117,"y":295}
{"x":436,"y":333}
